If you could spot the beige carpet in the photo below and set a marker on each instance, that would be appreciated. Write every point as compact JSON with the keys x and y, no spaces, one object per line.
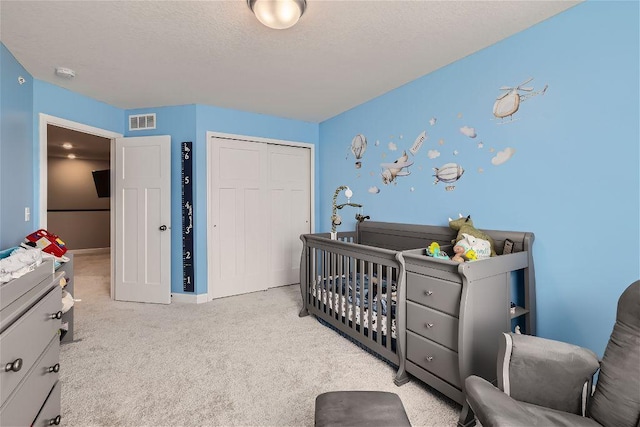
{"x":247,"y":360}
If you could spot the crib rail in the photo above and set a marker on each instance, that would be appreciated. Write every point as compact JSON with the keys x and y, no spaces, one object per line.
{"x":357,"y":289}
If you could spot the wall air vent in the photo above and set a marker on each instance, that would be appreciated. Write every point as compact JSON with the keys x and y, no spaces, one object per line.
{"x":142,"y":121}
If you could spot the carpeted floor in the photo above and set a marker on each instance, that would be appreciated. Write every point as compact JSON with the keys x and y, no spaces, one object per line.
{"x":247,"y":360}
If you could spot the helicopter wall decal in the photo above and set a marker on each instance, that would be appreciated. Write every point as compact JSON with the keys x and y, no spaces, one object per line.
{"x":508,"y":102}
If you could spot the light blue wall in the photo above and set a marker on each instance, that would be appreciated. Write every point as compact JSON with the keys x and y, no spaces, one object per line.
{"x":573,"y":179}
{"x":65,"y":104}
{"x":16,"y":150}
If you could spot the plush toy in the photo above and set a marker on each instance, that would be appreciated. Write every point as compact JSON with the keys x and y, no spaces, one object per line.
{"x":470,"y":238}
{"x":434,"y":251}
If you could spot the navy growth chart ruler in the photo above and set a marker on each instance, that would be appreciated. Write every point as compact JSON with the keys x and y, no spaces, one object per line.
{"x":187,"y":217}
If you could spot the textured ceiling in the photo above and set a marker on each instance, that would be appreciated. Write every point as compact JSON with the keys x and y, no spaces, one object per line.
{"x":138,"y":54}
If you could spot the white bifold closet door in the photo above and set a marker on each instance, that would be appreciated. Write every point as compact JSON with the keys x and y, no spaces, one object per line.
{"x":259,"y":201}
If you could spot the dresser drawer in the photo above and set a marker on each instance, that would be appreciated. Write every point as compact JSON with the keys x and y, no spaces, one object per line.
{"x":433,"y":324}
{"x":26,"y":339}
{"x":433,"y":357}
{"x":50,"y":413}
{"x":24,"y":404}
{"x":435,"y":293}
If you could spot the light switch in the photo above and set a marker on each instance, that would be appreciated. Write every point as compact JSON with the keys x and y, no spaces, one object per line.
{"x":27,"y":214}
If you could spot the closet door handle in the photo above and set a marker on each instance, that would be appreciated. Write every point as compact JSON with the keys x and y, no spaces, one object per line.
{"x":163,"y":228}
{"x":429,"y":358}
{"x":55,"y":421}
{"x":429,"y":325}
{"x":428,"y":293}
{"x":14,"y":366}
{"x":54,"y":368}
{"x":57,"y":315}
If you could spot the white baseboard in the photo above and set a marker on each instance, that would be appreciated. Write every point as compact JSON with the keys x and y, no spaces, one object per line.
{"x":190,"y":298}
{"x":92,"y":251}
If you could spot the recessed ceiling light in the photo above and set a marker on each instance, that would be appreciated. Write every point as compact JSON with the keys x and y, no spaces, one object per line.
{"x":67,"y":145}
{"x":71,"y":156}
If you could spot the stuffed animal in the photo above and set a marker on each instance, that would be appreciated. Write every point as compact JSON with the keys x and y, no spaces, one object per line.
{"x":470,"y":238}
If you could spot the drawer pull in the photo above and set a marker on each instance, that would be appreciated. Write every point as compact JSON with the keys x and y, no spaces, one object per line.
{"x":429,"y":358}
{"x":54,"y":368}
{"x":15,"y":366}
{"x":429,"y":325}
{"x":428,"y":293}
{"x":55,"y":421}
{"x":57,"y":315}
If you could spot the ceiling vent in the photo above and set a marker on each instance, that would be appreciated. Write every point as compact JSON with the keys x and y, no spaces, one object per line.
{"x":142,"y":121}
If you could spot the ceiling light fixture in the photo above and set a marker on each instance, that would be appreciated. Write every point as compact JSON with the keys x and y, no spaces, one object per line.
{"x":67,"y":145}
{"x":278,"y":14}
{"x":71,"y":156}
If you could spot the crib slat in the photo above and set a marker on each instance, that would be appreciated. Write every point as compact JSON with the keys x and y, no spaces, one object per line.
{"x":369,"y":296}
{"x":379,"y":303}
{"x":361,"y":297}
{"x":332,"y":305}
{"x":390,"y":275}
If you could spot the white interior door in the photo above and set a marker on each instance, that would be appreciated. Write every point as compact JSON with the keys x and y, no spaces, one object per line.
{"x":289,"y":206}
{"x":142,"y":190}
{"x":238,"y":219}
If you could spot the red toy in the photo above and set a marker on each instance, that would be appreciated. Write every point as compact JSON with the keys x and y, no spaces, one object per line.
{"x":48,"y":242}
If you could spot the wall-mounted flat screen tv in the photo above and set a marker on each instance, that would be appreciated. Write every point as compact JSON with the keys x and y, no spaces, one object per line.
{"x":102,"y":180}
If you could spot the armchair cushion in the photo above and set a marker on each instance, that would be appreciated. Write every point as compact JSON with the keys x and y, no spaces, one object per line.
{"x":616,"y":401}
{"x":547,"y":373}
{"x":494,"y":408}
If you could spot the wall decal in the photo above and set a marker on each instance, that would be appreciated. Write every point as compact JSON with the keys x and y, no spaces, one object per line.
{"x":503,"y":156}
{"x":468,"y":131}
{"x":358,"y":147}
{"x":393,"y":146}
{"x":432,"y":154}
{"x":374,"y":190}
{"x":432,"y":121}
{"x":418,"y":143}
{"x":396,"y":169}
{"x":377,"y":142}
{"x":441,"y":141}
{"x":448,"y":173}
{"x":480,"y":144}
{"x":455,"y":152}
{"x":508,"y":102}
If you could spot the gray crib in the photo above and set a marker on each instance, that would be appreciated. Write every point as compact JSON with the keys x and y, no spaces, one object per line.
{"x":435,"y":319}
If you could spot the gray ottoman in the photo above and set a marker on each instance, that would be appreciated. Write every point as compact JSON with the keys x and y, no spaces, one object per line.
{"x":360,"y":408}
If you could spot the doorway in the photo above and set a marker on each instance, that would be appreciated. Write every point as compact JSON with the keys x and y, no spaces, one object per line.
{"x":78,"y":190}
{"x":43,"y":198}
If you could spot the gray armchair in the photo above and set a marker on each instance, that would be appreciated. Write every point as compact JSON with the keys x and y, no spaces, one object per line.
{"x":548,"y":383}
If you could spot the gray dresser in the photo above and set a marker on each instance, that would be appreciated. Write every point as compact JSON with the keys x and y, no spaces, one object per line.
{"x":455,"y":314}
{"x":30,"y":348}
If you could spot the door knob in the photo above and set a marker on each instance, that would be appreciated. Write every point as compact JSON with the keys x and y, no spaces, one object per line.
{"x":163,"y":227}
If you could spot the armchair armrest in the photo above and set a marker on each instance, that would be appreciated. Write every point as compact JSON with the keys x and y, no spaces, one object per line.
{"x":545,"y":372}
{"x":493,"y":408}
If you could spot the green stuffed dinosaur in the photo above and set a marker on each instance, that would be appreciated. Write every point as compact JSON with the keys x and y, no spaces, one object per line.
{"x":469,"y":236}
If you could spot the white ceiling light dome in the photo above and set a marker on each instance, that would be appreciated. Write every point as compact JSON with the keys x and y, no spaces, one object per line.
{"x":278,"y":14}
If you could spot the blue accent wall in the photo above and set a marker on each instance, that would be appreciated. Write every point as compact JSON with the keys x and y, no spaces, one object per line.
{"x":572,"y":178}
{"x":65,"y":104}
{"x":16,"y":150}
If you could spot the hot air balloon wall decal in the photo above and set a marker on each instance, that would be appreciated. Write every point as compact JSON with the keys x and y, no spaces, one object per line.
{"x":358,"y":147}
{"x":508,"y":102}
{"x":448,"y":173}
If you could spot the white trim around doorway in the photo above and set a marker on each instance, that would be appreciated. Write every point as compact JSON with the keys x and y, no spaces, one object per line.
{"x":45,"y":120}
